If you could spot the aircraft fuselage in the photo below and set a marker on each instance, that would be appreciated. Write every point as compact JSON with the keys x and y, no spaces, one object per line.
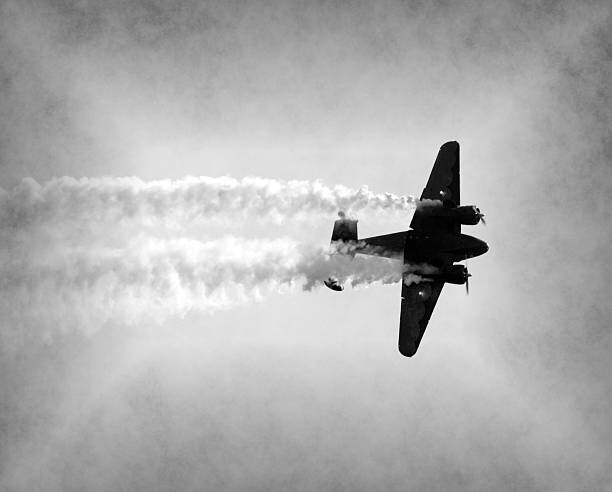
{"x":442,"y":247}
{"x":423,"y":247}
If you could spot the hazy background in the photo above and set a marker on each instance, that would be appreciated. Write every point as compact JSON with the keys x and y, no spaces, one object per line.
{"x":511,"y":387}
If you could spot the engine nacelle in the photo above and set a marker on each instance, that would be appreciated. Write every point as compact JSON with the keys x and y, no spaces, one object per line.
{"x":466,"y":214}
{"x":454,"y":274}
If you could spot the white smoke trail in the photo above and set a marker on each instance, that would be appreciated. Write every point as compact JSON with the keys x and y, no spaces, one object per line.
{"x":111,"y":199}
{"x":61,"y":287}
{"x":55,"y":274}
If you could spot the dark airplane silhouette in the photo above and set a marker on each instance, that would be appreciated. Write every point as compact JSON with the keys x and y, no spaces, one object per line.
{"x":428,"y":250}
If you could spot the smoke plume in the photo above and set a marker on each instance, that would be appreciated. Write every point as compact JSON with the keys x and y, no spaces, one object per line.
{"x":57,"y":274}
{"x":111,"y":199}
{"x":62,"y":286}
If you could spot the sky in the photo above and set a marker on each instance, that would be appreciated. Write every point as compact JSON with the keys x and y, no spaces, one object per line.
{"x":115,"y":376}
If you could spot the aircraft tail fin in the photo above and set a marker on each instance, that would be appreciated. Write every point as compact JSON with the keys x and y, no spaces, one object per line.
{"x":344,"y":229}
{"x":343,"y":242}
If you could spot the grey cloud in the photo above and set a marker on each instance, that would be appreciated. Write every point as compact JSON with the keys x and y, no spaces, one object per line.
{"x":513,"y":389}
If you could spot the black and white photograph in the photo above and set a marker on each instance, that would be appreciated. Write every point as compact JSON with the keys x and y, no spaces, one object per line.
{"x":305,"y":245}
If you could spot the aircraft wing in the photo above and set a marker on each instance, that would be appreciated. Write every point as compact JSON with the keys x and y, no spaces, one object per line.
{"x":418,"y":302}
{"x":443,"y":184}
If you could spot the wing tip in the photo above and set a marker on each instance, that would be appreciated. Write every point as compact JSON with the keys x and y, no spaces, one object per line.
{"x":407,"y":349}
{"x":450,"y":143}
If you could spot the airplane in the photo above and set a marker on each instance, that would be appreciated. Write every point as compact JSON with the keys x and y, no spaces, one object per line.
{"x":428,"y":250}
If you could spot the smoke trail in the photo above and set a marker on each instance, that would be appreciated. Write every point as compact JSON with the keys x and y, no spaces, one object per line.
{"x":55,"y":275}
{"x":111,"y":199}
{"x":61,"y":287}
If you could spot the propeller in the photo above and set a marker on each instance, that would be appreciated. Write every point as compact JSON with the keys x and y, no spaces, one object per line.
{"x":481,"y":216}
{"x":467,"y":278}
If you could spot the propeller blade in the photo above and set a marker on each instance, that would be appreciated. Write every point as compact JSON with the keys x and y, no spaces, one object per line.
{"x":484,"y":222}
{"x":467,"y":285}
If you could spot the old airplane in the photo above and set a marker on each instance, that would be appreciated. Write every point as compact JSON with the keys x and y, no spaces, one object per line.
{"x":429,"y":249}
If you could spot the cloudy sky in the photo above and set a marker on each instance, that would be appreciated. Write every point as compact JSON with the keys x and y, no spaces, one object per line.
{"x":124,"y":367}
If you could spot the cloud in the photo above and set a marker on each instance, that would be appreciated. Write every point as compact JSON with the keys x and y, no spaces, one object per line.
{"x":513,"y":388}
